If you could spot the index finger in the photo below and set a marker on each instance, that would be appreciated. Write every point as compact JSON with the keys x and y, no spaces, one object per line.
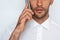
{"x":26,"y":6}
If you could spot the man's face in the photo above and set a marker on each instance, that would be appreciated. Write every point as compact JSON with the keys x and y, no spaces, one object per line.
{"x":40,"y":7}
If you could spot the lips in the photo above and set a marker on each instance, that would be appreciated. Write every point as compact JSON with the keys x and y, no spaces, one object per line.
{"x":39,"y":9}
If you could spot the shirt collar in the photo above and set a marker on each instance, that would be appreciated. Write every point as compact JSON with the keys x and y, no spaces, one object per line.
{"x":44,"y":24}
{"x":33,"y":23}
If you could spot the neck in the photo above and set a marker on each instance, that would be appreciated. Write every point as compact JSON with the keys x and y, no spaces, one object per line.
{"x":40,"y":21}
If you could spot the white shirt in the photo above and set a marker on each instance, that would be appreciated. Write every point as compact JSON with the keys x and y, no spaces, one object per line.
{"x":48,"y":30}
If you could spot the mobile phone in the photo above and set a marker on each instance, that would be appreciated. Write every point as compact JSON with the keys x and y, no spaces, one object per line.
{"x":27,"y":1}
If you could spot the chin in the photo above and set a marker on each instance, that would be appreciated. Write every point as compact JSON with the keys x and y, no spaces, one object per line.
{"x":39,"y":15}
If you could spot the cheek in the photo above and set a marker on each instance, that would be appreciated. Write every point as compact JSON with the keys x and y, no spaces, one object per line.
{"x":33,"y":4}
{"x":46,"y":4}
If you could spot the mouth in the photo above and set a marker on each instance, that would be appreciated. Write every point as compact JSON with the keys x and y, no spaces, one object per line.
{"x":39,"y":10}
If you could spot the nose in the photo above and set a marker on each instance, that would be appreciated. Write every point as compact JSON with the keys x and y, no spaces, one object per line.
{"x":39,"y":2}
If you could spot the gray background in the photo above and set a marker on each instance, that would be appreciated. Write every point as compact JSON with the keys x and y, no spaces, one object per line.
{"x":10,"y":10}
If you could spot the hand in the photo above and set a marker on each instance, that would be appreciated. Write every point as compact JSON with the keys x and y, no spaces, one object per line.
{"x":25,"y":17}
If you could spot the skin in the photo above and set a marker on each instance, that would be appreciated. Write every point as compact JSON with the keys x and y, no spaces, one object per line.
{"x":28,"y":14}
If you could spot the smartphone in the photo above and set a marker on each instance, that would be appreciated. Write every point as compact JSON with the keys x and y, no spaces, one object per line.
{"x":27,"y":1}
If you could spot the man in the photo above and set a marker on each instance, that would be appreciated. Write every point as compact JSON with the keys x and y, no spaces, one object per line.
{"x":35,"y":23}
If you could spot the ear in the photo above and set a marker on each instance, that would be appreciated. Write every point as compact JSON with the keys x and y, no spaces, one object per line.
{"x":51,"y":2}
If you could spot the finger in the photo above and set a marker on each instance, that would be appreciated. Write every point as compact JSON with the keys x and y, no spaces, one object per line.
{"x":26,"y":6}
{"x":27,"y":13}
{"x":25,"y":19}
{"x":30,"y":16}
{"x":28,"y":10}
{"x":24,"y":12}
